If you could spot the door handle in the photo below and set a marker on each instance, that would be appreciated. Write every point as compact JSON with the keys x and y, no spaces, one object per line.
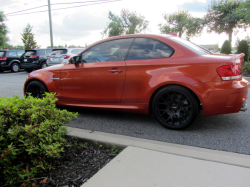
{"x":115,"y":71}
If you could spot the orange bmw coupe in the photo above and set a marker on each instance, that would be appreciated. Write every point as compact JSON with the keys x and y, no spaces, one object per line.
{"x":163,"y":75}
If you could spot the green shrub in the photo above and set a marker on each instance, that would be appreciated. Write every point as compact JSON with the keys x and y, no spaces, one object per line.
{"x":243,"y":48}
{"x":31,"y":134}
{"x":226,"y":47}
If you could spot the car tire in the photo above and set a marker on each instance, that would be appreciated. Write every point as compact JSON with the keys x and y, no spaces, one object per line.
{"x":175,"y":107}
{"x":43,"y":65}
{"x":28,"y":70}
{"x":15,"y":67}
{"x":36,"y":89}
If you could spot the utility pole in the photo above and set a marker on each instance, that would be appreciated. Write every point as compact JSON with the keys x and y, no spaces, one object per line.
{"x":50,"y":25}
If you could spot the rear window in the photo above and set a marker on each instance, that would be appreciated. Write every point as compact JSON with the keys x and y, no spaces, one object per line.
{"x":198,"y":49}
{"x":76,"y":51}
{"x":59,"y":51}
{"x":2,"y":53}
{"x":28,"y":53}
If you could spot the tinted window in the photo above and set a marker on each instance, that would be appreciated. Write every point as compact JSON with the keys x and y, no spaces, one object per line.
{"x":59,"y":51}
{"x":20,"y":53}
{"x":145,"y":48}
{"x":28,"y":53}
{"x":11,"y":53}
{"x":115,"y":50}
{"x":2,"y":53}
{"x":192,"y":46}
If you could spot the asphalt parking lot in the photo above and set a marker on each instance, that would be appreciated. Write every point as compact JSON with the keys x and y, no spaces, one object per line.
{"x":228,"y":132}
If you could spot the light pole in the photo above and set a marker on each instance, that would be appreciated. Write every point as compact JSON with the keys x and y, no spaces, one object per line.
{"x":50,"y":25}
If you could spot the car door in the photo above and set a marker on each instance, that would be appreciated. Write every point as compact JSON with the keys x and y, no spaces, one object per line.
{"x":147,"y":57}
{"x":100,"y":77}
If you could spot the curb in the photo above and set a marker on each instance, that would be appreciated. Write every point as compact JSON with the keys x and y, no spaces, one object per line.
{"x":175,"y":149}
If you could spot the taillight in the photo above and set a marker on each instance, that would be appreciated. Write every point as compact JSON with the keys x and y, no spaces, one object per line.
{"x":65,"y":56}
{"x":47,"y":57}
{"x":3,"y":58}
{"x":34,"y":56}
{"x":230,"y":72}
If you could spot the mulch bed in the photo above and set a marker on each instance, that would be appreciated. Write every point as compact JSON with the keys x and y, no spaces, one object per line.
{"x":78,"y":163}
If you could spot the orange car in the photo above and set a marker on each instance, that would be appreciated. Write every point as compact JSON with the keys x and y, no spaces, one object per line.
{"x":160,"y":74}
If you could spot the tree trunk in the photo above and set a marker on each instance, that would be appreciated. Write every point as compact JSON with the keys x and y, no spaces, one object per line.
{"x":230,"y":36}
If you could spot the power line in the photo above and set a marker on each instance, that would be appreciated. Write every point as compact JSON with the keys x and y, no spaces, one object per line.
{"x":97,"y":2}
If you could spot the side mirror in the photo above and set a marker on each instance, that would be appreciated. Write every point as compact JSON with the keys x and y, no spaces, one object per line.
{"x":75,"y":59}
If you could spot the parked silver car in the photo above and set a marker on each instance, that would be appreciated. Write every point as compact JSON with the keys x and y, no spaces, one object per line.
{"x":61,"y":55}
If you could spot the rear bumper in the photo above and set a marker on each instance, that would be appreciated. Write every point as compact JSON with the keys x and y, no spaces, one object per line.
{"x":222,"y":97}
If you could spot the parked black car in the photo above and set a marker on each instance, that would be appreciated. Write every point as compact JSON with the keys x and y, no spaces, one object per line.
{"x":10,"y":60}
{"x":34,"y":59}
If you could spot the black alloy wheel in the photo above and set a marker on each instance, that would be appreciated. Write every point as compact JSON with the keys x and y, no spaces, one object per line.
{"x":175,"y":107}
{"x":36,"y":89}
{"x":15,"y":67}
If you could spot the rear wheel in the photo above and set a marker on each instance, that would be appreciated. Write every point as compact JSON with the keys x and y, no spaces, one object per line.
{"x":36,"y":89}
{"x":43,"y":65}
{"x":15,"y":67}
{"x":175,"y":107}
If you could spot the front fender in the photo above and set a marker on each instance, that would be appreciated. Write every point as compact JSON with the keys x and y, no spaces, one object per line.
{"x":46,"y":77}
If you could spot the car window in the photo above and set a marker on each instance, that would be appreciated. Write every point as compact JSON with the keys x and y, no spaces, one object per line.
{"x":76,"y":51}
{"x":11,"y":53}
{"x":192,"y":46}
{"x":146,"y":48}
{"x":28,"y":53}
{"x":115,"y":50}
{"x":20,"y":53}
{"x":59,"y":51}
{"x":2,"y":53}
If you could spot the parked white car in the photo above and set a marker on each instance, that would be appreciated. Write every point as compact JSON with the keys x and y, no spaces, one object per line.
{"x":61,"y":55}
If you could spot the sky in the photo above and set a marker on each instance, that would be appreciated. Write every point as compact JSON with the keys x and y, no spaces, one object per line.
{"x":83,"y":25}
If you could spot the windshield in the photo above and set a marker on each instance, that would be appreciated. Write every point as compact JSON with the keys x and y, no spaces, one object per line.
{"x":196,"y":48}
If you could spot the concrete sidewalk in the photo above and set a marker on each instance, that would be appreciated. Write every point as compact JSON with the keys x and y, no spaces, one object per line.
{"x":146,"y":163}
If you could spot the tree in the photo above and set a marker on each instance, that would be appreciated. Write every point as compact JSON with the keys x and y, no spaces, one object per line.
{"x":243,"y":10}
{"x":127,"y":23}
{"x":3,"y":31}
{"x":28,"y":38}
{"x":222,"y":17}
{"x":182,"y":22}
{"x":243,"y":48}
{"x":226,"y":47}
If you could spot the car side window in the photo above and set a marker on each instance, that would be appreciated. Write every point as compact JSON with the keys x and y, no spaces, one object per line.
{"x":146,"y":48}
{"x":20,"y":53}
{"x":115,"y":50}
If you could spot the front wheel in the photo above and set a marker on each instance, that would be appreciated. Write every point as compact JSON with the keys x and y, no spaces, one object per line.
{"x":43,"y":65}
{"x":175,"y":107}
{"x":15,"y":67}
{"x":36,"y":89}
